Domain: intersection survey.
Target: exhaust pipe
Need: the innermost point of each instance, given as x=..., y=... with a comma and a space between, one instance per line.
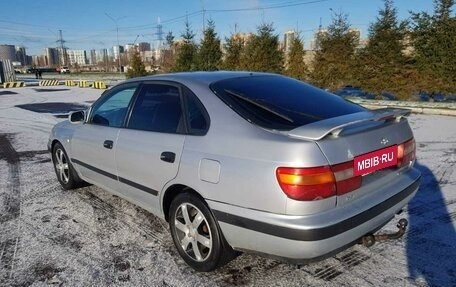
x=369, y=239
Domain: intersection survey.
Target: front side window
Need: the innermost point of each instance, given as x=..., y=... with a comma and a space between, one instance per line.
x=111, y=109
x=157, y=109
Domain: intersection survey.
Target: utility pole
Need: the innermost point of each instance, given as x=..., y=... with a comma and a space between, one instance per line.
x=159, y=33
x=204, y=16
x=317, y=39
x=63, y=49
x=118, y=45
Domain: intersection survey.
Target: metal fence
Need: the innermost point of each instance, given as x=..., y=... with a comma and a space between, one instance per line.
x=7, y=73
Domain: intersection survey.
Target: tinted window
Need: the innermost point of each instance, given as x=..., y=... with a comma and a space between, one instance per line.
x=198, y=122
x=158, y=109
x=282, y=103
x=111, y=109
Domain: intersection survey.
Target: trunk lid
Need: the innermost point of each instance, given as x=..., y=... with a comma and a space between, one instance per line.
x=345, y=137
x=352, y=143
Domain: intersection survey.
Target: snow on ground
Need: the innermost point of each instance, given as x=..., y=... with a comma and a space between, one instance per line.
x=88, y=237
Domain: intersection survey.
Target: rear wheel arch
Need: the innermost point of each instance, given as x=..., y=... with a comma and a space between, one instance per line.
x=197, y=236
x=171, y=192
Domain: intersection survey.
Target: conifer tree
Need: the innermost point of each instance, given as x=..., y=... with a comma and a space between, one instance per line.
x=169, y=39
x=186, y=51
x=210, y=53
x=295, y=65
x=434, y=41
x=137, y=68
x=333, y=60
x=381, y=63
x=168, y=53
x=262, y=52
x=233, y=50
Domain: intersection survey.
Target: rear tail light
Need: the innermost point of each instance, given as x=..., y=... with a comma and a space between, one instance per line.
x=406, y=152
x=307, y=183
x=315, y=183
x=345, y=181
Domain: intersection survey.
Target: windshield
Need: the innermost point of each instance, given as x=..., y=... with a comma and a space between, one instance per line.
x=277, y=102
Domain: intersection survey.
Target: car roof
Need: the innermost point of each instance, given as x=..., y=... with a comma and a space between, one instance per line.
x=204, y=78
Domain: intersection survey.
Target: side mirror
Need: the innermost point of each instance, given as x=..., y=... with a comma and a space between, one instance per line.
x=76, y=117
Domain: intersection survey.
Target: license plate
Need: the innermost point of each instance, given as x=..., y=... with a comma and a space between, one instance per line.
x=375, y=160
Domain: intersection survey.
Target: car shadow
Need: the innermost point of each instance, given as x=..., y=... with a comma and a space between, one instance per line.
x=431, y=244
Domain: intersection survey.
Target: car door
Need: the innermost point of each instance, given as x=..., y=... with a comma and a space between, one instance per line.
x=94, y=143
x=149, y=149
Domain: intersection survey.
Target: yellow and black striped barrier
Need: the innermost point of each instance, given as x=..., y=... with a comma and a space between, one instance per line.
x=99, y=85
x=70, y=83
x=83, y=84
x=13, y=84
x=49, y=83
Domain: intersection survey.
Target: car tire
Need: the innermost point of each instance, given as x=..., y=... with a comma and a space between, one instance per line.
x=196, y=234
x=67, y=176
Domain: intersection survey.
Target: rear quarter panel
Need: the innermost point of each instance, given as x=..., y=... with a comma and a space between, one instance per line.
x=248, y=156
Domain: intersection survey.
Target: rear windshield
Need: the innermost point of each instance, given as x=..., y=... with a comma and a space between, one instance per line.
x=281, y=103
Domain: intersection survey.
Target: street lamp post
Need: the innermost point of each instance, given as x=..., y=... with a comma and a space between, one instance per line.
x=118, y=45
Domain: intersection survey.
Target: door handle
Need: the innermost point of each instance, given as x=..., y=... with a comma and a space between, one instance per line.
x=108, y=144
x=168, y=156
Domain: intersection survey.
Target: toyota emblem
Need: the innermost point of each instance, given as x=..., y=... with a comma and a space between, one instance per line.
x=384, y=141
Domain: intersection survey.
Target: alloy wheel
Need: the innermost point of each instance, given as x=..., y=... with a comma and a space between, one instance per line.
x=193, y=232
x=61, y=166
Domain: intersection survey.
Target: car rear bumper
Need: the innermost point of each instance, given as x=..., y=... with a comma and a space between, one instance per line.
x=304, y=238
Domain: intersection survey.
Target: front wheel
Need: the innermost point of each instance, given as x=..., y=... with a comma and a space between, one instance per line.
x=196, y=235
x=65, y=172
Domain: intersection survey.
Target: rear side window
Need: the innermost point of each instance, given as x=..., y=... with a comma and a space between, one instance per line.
x=277, y=102
x=158, y=109
x=198, y=120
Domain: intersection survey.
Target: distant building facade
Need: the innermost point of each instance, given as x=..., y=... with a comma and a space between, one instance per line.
x=288, y=39
x=39, y=61
x=315, y=42
x=92, y=57
x=101, y=56
x=143, y=47
x=52, y=57
x=8, y=52
x=63, y=56
x=77, y=57
x=21, y=55
x=147, y=56
x=117, y=51
x=129, y=48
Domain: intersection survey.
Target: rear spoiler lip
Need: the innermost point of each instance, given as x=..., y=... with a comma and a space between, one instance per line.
x=318, y=130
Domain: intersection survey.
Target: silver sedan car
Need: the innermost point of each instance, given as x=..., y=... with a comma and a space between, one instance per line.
x=239, y=161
